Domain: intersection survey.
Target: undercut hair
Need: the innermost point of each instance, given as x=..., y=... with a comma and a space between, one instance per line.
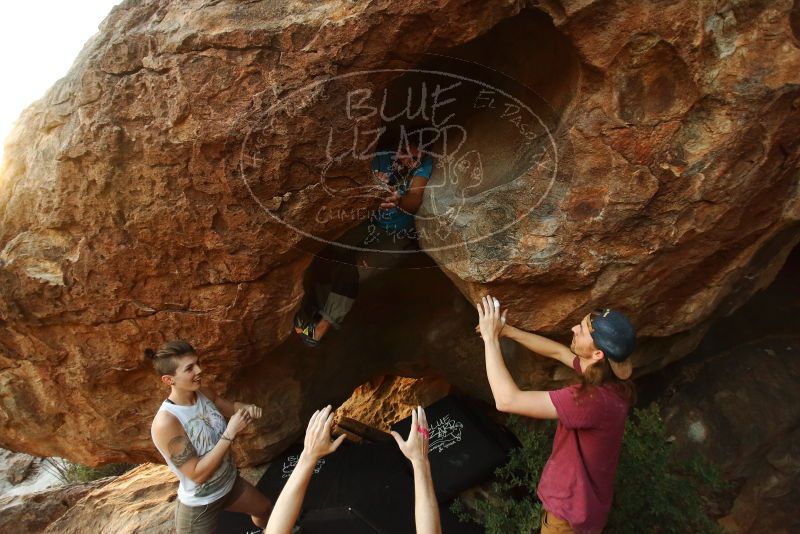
x=165, y=359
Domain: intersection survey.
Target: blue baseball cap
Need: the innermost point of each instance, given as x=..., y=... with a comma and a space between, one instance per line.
x=614, y=334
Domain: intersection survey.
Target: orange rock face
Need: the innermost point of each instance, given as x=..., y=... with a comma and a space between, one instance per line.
x=175, y=182
x=388, y=399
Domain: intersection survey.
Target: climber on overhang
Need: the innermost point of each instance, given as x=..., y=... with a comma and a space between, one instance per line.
x=577, y=483
x=377, y=243
x=190, y=432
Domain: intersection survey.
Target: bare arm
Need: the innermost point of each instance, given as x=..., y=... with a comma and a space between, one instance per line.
x=170, y=436
x=287, y=507
x=540, y=345
x=317, y=444
x=507, y=395
x=426, y=508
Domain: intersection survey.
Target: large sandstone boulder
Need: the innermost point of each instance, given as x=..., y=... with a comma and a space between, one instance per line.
x=175, y=182
x=139, y=501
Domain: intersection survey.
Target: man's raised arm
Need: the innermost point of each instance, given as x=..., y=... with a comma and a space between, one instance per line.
x=540, y=345
x=508, y=397
x=536, y=343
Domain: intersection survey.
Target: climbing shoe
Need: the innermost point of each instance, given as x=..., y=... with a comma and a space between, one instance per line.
x=304, y=327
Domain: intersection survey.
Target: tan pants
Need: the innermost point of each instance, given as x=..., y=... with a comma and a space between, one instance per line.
x=552, y=524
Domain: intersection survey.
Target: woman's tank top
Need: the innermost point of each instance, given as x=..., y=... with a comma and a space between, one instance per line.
x=204, y=425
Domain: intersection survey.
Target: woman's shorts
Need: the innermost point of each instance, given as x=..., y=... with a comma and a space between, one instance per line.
x=203, y=519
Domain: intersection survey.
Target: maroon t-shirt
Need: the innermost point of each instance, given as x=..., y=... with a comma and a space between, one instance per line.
x=577, y=483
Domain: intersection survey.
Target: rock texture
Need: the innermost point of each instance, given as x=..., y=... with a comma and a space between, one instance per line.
x=32, y=513
x=716, y=400
x=139, y=501
x=719, y=411
x=15, y=467
x=680, y=191
x=388, y=399
x=149, y=196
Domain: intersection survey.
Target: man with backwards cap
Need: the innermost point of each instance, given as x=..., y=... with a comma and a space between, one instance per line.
x=577, y=483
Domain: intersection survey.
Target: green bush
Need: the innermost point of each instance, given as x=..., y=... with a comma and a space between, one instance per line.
x=654, y=491
x=508, y=506
x=71, y=473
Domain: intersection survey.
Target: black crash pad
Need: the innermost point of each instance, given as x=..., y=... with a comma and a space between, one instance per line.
x=369, y=487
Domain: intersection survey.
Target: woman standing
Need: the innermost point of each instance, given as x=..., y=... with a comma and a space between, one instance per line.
x=190, y=432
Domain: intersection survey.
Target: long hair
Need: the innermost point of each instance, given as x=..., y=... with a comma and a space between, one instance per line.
x=600, y=373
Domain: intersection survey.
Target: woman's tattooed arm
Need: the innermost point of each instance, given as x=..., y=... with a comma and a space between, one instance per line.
x=181, y=450
x=178, y=449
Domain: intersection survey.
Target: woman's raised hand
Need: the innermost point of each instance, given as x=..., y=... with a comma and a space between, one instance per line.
x=415, y=448
x=318, y=435
x=238, y=422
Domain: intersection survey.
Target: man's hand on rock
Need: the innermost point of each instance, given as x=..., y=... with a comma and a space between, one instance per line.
x=503, y=332
x=380, y=183
x=490, y=321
